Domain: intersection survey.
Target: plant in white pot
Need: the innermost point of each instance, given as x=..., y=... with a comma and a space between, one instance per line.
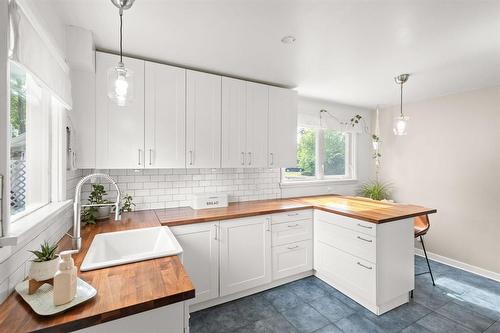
x=44, y=266
x=96, y=197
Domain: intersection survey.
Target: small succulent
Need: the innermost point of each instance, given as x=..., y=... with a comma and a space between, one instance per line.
x=47, y=252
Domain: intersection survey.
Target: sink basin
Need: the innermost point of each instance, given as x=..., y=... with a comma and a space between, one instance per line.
x=122, y=247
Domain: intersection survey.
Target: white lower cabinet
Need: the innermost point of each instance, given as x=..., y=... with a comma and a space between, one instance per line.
x=245, y=254
x=370, y=263
x=200, y=257
x=291, y=259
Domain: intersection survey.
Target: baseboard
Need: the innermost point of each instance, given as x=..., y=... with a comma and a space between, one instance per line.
x=460, y=265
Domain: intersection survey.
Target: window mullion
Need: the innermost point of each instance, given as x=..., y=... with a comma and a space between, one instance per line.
x=319, y=151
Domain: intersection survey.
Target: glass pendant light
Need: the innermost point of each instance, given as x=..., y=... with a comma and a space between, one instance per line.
x=400, y=124
x=120, y=82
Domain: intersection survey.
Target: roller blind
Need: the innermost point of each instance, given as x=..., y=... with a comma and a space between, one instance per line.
x=30, y=47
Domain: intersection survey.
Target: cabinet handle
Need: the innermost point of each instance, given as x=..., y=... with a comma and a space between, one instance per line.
x=150, y=158
x=242, y=158
x=272, y=158
x=364, y=226
x=268, y=224
x=367, y=267
x=139, y=151
x=190, y=157
x=292, y=214
x=74, y=160
x=293, y=225
x=249, y=158
x=364, y=239
x=216, y=232
x=292, y=247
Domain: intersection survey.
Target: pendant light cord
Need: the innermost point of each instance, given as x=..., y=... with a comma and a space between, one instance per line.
x=121, y=36
x=401, y=105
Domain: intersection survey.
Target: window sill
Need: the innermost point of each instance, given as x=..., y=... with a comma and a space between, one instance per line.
x=323, y=182
x=23, y=229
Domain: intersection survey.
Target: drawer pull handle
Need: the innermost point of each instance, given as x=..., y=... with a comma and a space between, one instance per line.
x=364, y=226
x=292, y=247
x=364, y=239
x=292, y=225
x=293, y=214
x=367, y=267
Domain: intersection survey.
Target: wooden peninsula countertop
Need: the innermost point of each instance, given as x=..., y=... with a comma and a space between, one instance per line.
x=132, y=288
x=121, y=290
x=355, y=207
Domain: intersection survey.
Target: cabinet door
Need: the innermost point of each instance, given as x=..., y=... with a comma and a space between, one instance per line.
x=83, y=118
x=282, y=128
x=257, y=124
x=233, y=123
x=119, y=129
x=203, y=128
x=200, y=257
x=165, y=116
x=245, y=258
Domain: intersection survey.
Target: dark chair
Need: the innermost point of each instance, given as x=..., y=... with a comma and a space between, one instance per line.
x=421, y=225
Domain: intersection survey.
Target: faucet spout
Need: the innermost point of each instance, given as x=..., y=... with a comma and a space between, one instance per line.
x=77, y=207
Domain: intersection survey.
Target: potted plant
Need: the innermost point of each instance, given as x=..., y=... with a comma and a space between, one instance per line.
x=127, y=204
x=96, y=197
x=375, y=190
x=44, y=266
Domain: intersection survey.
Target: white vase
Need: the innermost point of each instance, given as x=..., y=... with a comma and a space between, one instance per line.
x=41, y=271
x=103, y=212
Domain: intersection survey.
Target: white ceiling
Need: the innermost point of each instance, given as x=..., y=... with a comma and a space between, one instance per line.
x=346, y=50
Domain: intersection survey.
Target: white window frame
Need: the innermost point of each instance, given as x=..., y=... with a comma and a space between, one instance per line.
x=319, y=177
x=27, y=224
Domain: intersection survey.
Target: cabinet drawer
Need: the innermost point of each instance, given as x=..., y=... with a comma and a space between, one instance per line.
x=285, y=233
x=292, y=259
x=356, y=275
x=295, y=215
x=346, y=222
x=355, y=243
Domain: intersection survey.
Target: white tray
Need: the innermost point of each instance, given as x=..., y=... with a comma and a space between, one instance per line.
x=42, y=301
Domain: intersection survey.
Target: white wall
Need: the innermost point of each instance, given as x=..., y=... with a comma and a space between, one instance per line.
x=450, y=160
x=365, y=167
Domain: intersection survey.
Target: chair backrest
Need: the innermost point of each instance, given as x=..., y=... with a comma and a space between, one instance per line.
x=421, y=225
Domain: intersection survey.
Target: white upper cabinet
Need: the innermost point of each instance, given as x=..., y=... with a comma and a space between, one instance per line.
x=282, y=150
x=257, y=124
x=234, y=111
x=203, y=127
x=244, y=124
x=119, y=129
x=165, y=116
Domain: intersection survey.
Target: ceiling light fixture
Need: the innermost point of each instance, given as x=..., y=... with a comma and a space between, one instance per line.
x=288, y=40
x=400, y=124
x=120, y=78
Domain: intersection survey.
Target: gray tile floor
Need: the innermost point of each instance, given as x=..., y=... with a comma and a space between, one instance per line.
x=460, y=302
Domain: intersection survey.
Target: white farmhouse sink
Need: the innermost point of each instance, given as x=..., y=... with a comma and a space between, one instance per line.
x=122, y=247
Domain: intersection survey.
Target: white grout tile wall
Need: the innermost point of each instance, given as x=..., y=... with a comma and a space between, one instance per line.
x=168, y=188
x=15, y=264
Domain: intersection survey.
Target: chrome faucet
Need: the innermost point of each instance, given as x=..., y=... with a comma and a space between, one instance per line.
x=77, y=207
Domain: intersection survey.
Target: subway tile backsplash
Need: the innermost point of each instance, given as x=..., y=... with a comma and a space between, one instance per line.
x=168, y=188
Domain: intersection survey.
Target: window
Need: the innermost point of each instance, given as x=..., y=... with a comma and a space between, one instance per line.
x=30, y=155
x=322, y=154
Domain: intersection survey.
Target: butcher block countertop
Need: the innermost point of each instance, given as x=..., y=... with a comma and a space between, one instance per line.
x=132, y=288
x=358, y=208
x=121, y=290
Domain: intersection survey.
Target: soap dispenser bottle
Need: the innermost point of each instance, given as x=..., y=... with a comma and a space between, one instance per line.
x=65, y=279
